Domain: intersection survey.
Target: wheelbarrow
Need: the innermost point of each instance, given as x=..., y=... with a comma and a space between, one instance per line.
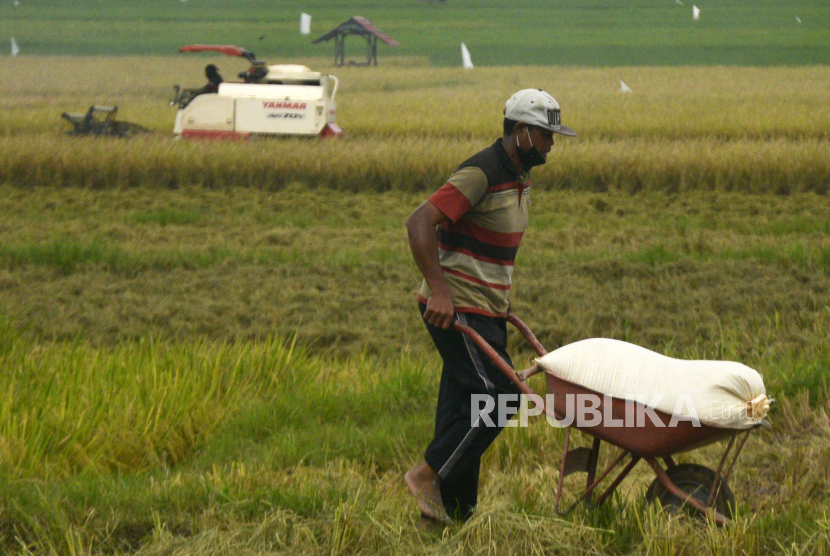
x=686, y=486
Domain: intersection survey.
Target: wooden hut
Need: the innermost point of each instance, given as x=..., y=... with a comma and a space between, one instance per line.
x=357, y=26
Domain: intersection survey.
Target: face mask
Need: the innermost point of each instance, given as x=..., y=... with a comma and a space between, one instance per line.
x=529, y=158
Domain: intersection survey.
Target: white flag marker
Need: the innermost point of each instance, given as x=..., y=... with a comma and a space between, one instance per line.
x=678, y=2
x=305, y=24
x=15, y=48
x=798, y=20
x=695, y=13
x=466, y=61
x=16, y=2
x=623, y=87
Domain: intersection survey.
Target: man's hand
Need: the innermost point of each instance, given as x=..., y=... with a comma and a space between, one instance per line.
x=440, y=310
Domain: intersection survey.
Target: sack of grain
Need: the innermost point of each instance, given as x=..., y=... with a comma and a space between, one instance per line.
x=718, y=393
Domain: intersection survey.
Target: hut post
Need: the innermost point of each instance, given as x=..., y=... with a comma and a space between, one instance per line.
x=339, y=50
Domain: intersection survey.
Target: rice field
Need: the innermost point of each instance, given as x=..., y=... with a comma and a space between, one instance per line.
x=729, y=129
x=257, y=447
x=564, y=32
x=213, y=348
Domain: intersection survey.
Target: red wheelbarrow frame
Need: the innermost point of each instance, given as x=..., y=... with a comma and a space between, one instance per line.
x=648, y=442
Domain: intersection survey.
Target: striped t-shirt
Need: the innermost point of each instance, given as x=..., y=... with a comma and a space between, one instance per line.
x=486, y=201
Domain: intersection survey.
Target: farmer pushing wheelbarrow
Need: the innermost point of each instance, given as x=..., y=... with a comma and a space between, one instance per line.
x=480, y=214
x=649, y=406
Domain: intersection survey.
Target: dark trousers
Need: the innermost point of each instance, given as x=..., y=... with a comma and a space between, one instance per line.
x=455, y=452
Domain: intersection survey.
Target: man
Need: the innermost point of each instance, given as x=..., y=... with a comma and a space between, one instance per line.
x=211, y=87
x=481, y=214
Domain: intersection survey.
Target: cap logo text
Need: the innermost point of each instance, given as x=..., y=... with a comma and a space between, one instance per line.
x=554, y=117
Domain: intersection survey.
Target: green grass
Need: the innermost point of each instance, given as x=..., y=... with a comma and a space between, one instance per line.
x=663, y=270
x=163, y=217
x=155, y=402
x=565, y=32
x=262, y=447
x=214, y=349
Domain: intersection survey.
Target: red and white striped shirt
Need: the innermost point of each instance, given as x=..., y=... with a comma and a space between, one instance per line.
x=486, y=201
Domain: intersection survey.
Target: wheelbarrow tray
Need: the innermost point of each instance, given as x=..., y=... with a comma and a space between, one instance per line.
x=645, y=438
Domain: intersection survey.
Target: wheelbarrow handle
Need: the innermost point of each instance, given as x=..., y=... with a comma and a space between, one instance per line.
x=497, y=359
x=529, y=336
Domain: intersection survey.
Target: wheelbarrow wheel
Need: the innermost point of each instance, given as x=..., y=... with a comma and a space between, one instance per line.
x=696, y=480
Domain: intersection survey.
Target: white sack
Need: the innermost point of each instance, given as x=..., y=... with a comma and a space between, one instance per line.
x=695, y=13
x=719, y=393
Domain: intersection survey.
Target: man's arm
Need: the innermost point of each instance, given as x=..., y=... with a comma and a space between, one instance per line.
x=423, y=241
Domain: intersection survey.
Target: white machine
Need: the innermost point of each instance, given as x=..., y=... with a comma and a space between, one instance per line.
x=289, y=100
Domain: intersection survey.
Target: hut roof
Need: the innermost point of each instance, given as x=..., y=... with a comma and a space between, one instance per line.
x=357, y=25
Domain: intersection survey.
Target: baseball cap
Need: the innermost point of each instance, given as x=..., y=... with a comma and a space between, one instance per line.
x=536, y=107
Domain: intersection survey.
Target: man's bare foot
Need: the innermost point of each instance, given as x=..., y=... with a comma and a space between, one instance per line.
x=429, y=525
x=423, y=484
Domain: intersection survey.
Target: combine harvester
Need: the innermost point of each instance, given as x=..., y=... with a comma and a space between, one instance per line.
x=281, y=100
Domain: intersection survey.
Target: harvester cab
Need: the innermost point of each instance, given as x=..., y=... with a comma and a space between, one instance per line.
x=289, y=100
